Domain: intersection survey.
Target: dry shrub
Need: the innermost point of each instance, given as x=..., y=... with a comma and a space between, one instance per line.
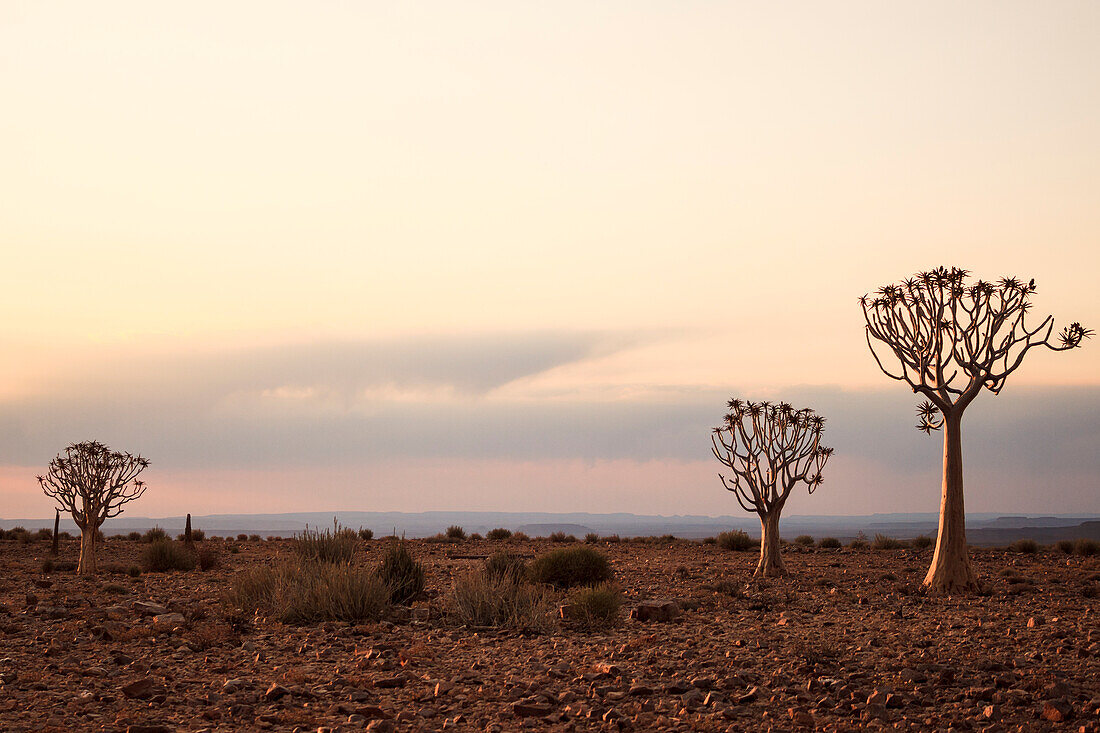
x=336, y=545
x=310, y=591
x=500, y=533
x=735, y=540
x=401, y=573
x=829, y=543
x=154, y=534
x=1028, y=547
x=164, y=555
x=209, y=559
x=561, y=537
x=805, y=540
x=570, y=567
x=883, y=542
x=1087, y=548
x=1064, y=546
x=506, y=564
x=594, y=608
x=922, y=542
x=454, y=532
x=481, y=598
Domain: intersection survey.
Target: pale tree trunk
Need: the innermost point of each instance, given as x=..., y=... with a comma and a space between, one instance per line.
x=771, y=564
x=87, y=565
x=951, y=570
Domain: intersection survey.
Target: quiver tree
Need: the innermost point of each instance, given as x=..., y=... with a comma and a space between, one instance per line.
x=947, y=338
x=92, y=483
x=771, y=449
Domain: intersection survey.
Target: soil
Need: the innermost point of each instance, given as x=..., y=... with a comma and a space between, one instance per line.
x=847, y=642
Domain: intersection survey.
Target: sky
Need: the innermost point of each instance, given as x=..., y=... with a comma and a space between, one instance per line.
x=517, y=255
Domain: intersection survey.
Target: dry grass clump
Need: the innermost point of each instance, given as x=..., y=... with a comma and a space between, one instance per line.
x=829, y=543
x=504, y=564
x=735, y=540
x=484, y=598
x=571, y=566
x=1087, y=548
x=154, y=534
x=1064, y=546
x=164, y=555
x=336, y=545
x=454, y=532
x=805, y=540
x=197, y=535
x=306, y=591
x=401, y=573
x=883, y=542
x=209, y=559
x=922, y=542
x=500, y=533
x=1028, y=547
x=594, y=608
x=562, y=537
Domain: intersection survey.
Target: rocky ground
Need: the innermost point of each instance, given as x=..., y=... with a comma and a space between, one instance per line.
x=846, y=643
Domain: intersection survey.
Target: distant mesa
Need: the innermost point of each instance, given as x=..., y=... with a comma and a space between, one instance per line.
x=547, y=529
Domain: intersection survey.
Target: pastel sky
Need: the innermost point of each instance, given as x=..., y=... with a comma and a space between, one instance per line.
x=517, y=255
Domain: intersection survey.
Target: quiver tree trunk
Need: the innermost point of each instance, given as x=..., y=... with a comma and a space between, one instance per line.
x=771, y=563
x=187, y=531
x=951, y=570
x=87, y=565
x=56, y=526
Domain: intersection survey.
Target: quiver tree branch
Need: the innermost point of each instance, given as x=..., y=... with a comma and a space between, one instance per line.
x=769, y=449
x=92, y=483
x=948, y=338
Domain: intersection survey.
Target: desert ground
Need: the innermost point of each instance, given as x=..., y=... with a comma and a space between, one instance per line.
x=847, y=642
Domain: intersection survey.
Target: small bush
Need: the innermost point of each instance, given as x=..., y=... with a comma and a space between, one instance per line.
x=475, y=537
x=735, y=540
x=164, y=555
x=805, y=540
x=829, y=543
x=922, y=542
x=454, y=532
x=47, y=567
x=209, y=559
x=310, y=591
x=1028, y=547
x=44, y=534
x=858, y=544
x=402, y=574
x=882, y=542
x=710, y=540
x=366, y=534
x=1064, y=546
x=197, y=535
x=242, y=538
x=154, y=534
x=1087, y=548
x=134, y=536
x=334, y=545
x=612, y=538
x=254, y=538
x=520, y=537
x=570, y=567
x=591, y=538
x=594, y=608
x=133, y=571
x=506, y=564
x=482, y=598
x=562, y=537
x=500, y=533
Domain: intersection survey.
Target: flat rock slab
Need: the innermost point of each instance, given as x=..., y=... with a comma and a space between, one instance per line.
x=659, y=610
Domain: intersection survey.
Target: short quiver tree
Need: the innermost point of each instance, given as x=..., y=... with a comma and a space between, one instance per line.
x=947, y=339
x=92, y=483
x=771, y=449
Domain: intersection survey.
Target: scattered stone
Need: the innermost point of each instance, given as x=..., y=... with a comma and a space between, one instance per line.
x=275, y=692
x=146, y=608
x=530, y=708
x=660, y=611
x=139, y=689
x=1056, y=711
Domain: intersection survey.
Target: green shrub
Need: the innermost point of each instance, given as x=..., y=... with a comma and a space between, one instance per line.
x=562, y=537
x=309, y=591
x=922, y=542
x=482, y=598
x=829, y=543
x=500, y=533
x=154, y=534
x=1064, y=546
x=336, y=545
x=1028, y=547
x=1087, y=548
x=164, y=555
x=594, y=608
x=571, y=566
x=401, y=573
x=506, y=564
x=366, y=534
x=454, y=532
x=882, y=542
x=805, y=540
x=735, y=540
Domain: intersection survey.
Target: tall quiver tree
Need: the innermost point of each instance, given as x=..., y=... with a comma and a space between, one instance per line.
x=771, y=449
x=949, y=338
x=92, y=483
